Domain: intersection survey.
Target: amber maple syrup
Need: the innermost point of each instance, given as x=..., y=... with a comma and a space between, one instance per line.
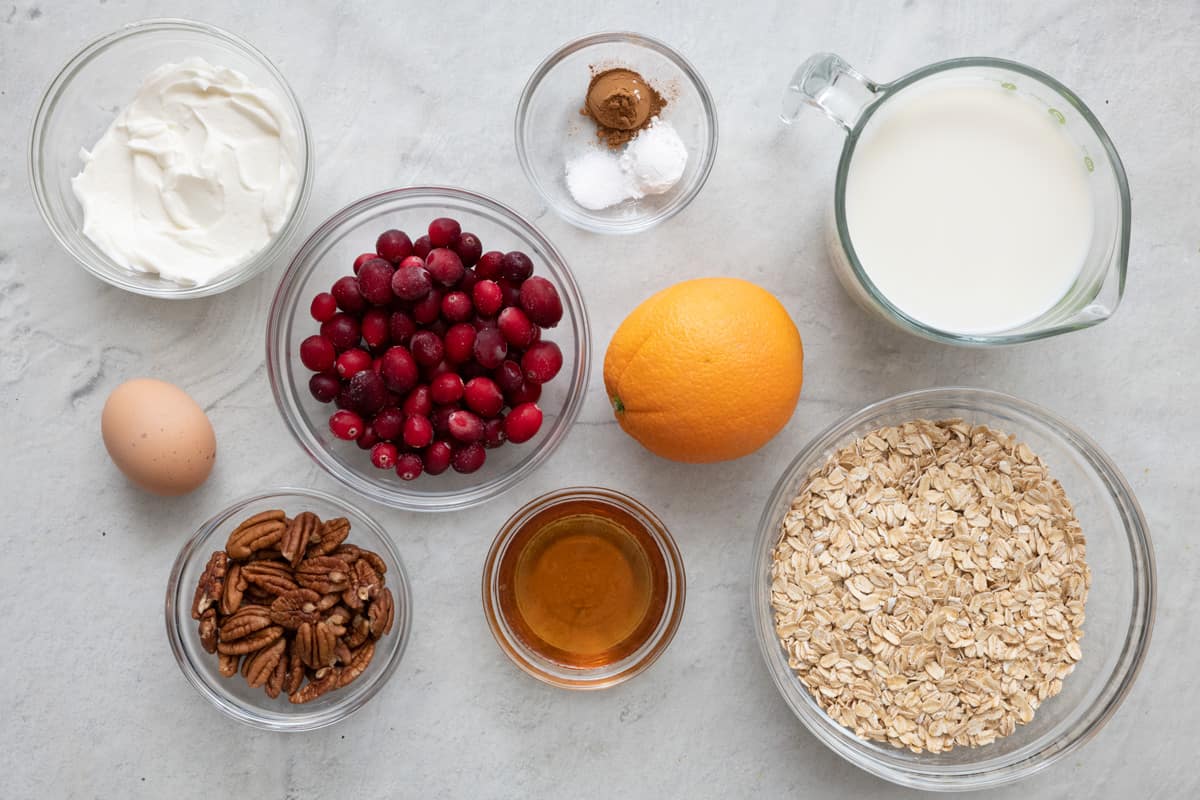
x=583, y=584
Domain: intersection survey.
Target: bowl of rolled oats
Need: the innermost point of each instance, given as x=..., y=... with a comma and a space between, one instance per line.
x=953, y=588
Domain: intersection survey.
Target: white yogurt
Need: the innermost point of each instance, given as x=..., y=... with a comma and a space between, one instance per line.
x=968, y=206
x=193, y=177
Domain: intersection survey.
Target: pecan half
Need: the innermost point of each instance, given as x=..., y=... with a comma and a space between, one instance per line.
x=292, y=608
x=228, y=664
x=248, y=619
x=274, y=684
x=262, y=664
x=316, y=643
x=251, y=643
x=260, y=531
x=300, y=533
x=358, y=631
x=295, y=670
x=272, y=577
x=359, y=660
x=208, y=589
x=328, y=601
x=381, y=613
x=315, y=688
x=341, y=653
x=324, y=574
x=208, y=630
x=235, y=588
x=333, y=533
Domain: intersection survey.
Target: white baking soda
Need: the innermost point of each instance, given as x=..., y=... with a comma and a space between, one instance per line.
x=968, y=206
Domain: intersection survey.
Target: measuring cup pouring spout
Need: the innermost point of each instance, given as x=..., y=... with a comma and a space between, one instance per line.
x=827, y=83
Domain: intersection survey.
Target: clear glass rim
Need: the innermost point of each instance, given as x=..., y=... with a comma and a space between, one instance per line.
x=109, y=271
x=585, y=679
x=573, y=216
x=1023, y=763
x=915, y=326
x=178, y=598
x=283, y=310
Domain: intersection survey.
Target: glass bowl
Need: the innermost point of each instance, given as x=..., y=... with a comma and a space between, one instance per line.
x=1119, y=611
x=89, y=92
x=329, y=254
x=550, y=130
x=570, y=677
x=232, y=695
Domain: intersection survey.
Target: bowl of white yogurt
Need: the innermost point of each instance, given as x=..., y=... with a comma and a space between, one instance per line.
x=171, y=158
x=978, y=201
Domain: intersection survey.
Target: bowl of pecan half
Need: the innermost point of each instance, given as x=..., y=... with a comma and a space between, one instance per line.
x=288, y=610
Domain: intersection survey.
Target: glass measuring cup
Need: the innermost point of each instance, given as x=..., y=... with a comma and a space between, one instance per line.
x=826, y=82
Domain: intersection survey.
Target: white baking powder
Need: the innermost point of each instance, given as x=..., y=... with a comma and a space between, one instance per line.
x=650, y=164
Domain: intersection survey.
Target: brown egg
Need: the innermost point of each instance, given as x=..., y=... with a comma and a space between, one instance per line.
x=158, y=436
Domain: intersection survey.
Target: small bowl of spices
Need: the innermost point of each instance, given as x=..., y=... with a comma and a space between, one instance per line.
x=617, y=131
x=583, y=588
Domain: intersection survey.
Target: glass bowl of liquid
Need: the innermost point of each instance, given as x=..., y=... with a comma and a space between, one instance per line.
x=583, y=588
x=977, y=201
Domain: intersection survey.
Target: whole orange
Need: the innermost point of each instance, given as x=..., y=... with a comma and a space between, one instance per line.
x=705, y=370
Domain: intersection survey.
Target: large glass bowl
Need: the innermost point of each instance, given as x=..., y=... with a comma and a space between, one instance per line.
x=329, y=254
x=90, y=91
x=233, y=696
x=1119, y=611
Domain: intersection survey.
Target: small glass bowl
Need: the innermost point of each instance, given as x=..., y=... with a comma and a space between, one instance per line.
x=90, y=91
x=550, y=130
x=329, y=254
x=1119, y=611
x=232, y=695
x=566, y=677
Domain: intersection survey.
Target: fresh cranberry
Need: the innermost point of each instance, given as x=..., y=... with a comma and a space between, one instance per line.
x=457, y=307
x=467, y=282
x=401, y=326
x=445, y=266
x=375, y=282
x=516, y=266
x=376, y=328
x=343, y=398
x=418, y=432
x=323, y=307
x=411, y=261
x=459, y=343
x=488, y=297
x=522, y=422
x=446, y=388
x=317, y=353
x=347, y=294
x=529, y=392
x=389, y=424
x=408, y=466
x=364, y=258
x=352, y=362
x=437, y=457
x=426, y=348
x=468, y=458
x=490, y=265
x=367, y=439
x=411, y=282
x=342, y=330
x=493, y=433
x=428, y=373
x=399, y=369
x=509, y=376
x=481, y=322
x=542, y=361
x=469, y=248
x=428, y=308
x=345, y=424
x=368, y=392
x=490, y=348
x=324, y=386
x=516, y=327
x=394, y=245
x=511, y=291
x=422, y=246
x=419, y=402
x=541, y=302
x=483, y=396
x=465, y=426
x=384, y=455
x=443, y=232
x=441, y=419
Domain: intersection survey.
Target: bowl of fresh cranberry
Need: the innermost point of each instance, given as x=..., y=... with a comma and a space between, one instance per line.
x=428, y=347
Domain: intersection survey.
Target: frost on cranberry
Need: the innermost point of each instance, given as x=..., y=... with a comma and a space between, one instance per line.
x=468, y=458
x=367, y=392
x=445, y=266
x=364, y=258
x=493, y=433
x=411, y=282
x=465, y=426
x=516, y=266
x=523, y=422
x=346, y=292
x=375, y=282
x=394, y=245
x=469, y=249
x=401, y=326
x=444, y=232
x=389, y=424
x=426, y=348
x=541, y=302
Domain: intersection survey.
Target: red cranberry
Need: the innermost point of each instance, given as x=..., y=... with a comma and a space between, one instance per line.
x=441, y=419
x=352, y=362
x=493, y=433
x=480, y=322
x=368, y=392
x=541, y=302
x=516, y=266
x=468, y=458
x=488, y=298
x=489, y=266
x=529, y=392
x=389, y=424
x=367, y=439
x=343, y=398
x=457, y=307
x=384, y=455
x=437, y=457
x=376, y=328
x=511, y=291
x=419, y=402
x=445, y=266
x=323, y=307
x=443, y=232
x=401, y=326
x=428, y=308
x=408, y=466
x=522, y=422
x=375, y=282
x=509, y=376
x=317, y=353
x=459, y=343
x=465, y=426
x=446, y=388
x=394, y=245
x=324, y=386
x=342, y=330
x=421, y=246
x=542, y=361
x=467, y=282
x=411, y=282
x=490, y=348
x=469, y=248
x=412, y=261
x=347, y=294
x=428, y=373
x=426, y=348
x=345, y=425
x=483, y=396
x=418, y=432
x=399, y=369
x=516, y=327
x=364, y=258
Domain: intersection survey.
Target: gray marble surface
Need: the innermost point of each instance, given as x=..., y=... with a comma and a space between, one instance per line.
x=91, y=702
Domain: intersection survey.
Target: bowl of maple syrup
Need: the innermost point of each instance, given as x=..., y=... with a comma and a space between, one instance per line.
x=583, y=588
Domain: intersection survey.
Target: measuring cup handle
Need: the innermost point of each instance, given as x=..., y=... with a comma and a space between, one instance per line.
x=825, y=81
